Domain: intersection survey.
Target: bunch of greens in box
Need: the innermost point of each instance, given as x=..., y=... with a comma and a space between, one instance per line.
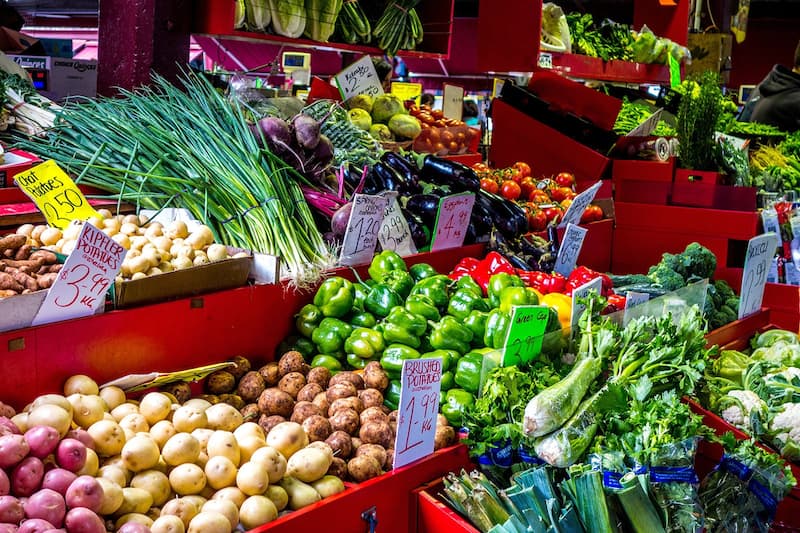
x=698, y=112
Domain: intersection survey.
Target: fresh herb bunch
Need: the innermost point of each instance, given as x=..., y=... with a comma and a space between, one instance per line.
x=698, y=113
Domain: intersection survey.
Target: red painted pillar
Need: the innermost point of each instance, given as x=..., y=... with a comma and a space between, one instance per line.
x=137, y=37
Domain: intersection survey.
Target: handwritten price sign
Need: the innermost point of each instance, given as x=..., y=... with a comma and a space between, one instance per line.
x=84, y=279
x=579, y=205
x=760, y=251
x=394, y=233
x=419, y=404
x=525, y=335
x=570, y=249
x=769, y=219
x=361, y=234
x=632, y=299
x=452, y=220
x=452, y=101
x=359, y=78
x=55, y=194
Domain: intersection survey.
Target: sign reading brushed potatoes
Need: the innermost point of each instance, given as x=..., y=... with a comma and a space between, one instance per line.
x=83, y=281
x=55, y=194
x=760, y=251
x=361, y=234
x=416, y=414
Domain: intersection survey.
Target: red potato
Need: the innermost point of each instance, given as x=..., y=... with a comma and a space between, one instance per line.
x=8, y=427
x=82, y=520
x=11, y=511
x=83, y=436
x=46, y=505
x=71, y=454
x=5, y=483
x=13, y=449
x=42, y=440
x=86, y=492
x=26, y=478
x=133, y=527
x=58, y=479
x=9, y=528
x=35, y=525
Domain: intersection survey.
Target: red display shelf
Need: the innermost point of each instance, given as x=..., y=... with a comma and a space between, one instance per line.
x=215, y=18
x=593, y=68
x=783, y=302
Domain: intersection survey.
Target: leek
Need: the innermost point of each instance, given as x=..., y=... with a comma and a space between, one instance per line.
x=585, y=487
x=637, y=505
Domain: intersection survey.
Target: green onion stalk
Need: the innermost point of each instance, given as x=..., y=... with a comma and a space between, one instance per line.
x=170, y=146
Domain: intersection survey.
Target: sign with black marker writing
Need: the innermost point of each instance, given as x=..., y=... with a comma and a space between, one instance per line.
x=570, y=249
x=359, y=78
x=525, y=334
x=579, y=205
x=361, y=234
x=417, y=411
x=760, y=251
x=394, y=233
x=55, y=194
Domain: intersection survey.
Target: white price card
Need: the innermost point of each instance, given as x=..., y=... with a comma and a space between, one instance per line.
x=452, y=220
x=632, y=299
x=760, y=251
x=582, y=292
x=416, y=414
x=452, y=101
x=769, y=219
x=570, y=249
x=88, y=273
x=359, y=78
x=394, y=233
x=772, y=275
x=361, y=234
x=579, y=205
x=791, y=273
x=545, y=60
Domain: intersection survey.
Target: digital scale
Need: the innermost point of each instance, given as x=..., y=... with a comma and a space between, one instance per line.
x=297, y=67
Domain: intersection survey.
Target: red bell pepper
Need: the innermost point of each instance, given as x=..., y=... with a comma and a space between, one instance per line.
x=582, y=275
x=483, y=269
x=465, y=267
x=615, y=302
x=542, y=281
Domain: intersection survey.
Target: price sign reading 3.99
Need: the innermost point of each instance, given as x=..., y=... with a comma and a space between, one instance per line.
x=416, y=414
x=83, y=281
x=361, y=234
x=525, y=334
x=452, y=220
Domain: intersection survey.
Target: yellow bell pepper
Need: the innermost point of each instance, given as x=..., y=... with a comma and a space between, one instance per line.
x=563, y=306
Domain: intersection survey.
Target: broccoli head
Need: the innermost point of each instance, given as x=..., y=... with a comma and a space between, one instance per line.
x=672, y=262
x=698, y=261
x=723, y=289
x=720, y=317
x=666, y=277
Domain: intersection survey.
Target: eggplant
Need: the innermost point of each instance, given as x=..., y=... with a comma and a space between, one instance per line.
x=459, y=177
x=372, y=183
x=419, y=233
x=391, y=179
x=482, y=219
x=405, y=168
x=471, y=237
x=508, y=217
x=425, y=207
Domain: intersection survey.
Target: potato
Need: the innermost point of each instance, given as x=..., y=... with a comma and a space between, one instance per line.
x=51, y=415
x=319, y=375
x=347, y=377
x=375, y=377
x=92, y=464
x=168, y=524
x=389, y=463
x=346, y=403
x=308, y=392
x=133, y=518
x=278, y=496
x=321, y=401
x=292, y=362
x=291, y=383
x=375, y=451
x=340, y=443
x=233, y=494
x=345, y=420
x=249, y=429
x=303, y=410
x=223, y=416
x=240, y=368
x=140, y=453
x=123, y=410
x=182, y=508
x=287, y=438
x=202, y=435
x=250, y=412
x=328, y=486
x=181, y=390
x=371, y=397
x=225, y=507
x=224, y=443
x=113, y=396
x=188, y=417
x=252, y=478
x=355, y=443
x=198, y=403
x=112, y=496
x=134, y=423
x=154, y=482
x=363, y=468
x=86, y=409
x=220, y=472
x=338, y=468
x=269, y=422
x=308, y=464
x=220, y=382
x=114, y=473
x=322, y=445
x=80, y=384
x=162, y=431
x=181, y=448
x=270, y=374
x=317, y=427
x=340, y=390
x=274, y=401
x=234, y=400
x=209, y=522
x=373, y=414
x=155, y=407
x=300, y=494
x=377, y=433
x=272, y=461
x=251, y=386
x=134, y=500
x=444, y=437
x=257, y=511
x=187, y=479
x=248, y=445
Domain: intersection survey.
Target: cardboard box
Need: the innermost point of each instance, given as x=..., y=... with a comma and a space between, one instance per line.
x=72, y=77
x=14, y=162
x=17, y=312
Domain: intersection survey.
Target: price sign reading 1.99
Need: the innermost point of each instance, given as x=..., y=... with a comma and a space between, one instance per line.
x=416, y=414
x=452, y=220
x=361, y=234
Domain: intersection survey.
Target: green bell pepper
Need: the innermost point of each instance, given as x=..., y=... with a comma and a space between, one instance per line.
x=450, y=334
x=464, y=301
x=422, y=306
x=360, y=292
x=399, y=280
x=476, y=323
x=403, y=327
x=468, y=371
x=365, y=343
x=435, y=288
x=363, y=319
x=393, y=357
x=298, y=344
x=554, y=342
x=327, y=361
x=335, y=297
x=447, y=381
x=331, y=334
x=498, y=282
x=456, y=401
x=421, y=271
x=448, y=357
x=467, y=283
x=381, y=299
x=384, y=262
x=511, y=296
x=391, y=397
x=308, y=319
x=497, y=324
x=357, y=362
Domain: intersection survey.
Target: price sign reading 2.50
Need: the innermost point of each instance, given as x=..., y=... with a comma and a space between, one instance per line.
x=419, y=405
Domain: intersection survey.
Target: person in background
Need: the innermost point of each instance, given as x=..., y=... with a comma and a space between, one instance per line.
x=384, y=70
x=776, y=100
x=470, y=113
x=427, y=99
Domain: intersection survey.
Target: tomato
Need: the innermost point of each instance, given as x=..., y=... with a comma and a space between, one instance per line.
x=510, y=190
x=437, y=114
x=489, y=185
x=552, y=213
x=480, y=167
x=527, y=185
x=537, y=220
x=559, y=194
x=514, y=175
x=523, y=168
x=566, y=203
x=592, y=213
x=565, y=179
x=538, y=196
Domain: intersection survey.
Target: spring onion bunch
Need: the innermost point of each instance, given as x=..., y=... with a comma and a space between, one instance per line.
x=25, y=109
x=188, y=147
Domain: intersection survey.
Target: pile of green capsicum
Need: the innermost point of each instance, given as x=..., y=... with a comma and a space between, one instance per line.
x=402, y=313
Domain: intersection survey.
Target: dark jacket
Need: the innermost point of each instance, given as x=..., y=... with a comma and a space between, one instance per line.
x=776, y=100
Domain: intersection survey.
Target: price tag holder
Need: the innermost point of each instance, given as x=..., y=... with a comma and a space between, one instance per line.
x=632, y=299
x=407, y=91
x=525, y=334
x=760, y=251
x=452, y=220
x=452, y=101
x=55, y=194
x=394, y=233
x=570, y=249
x=582, y=292
x=416, y=414
x=579, y=205
x=545, y=60
x=769, y=219
x=83, y=281
x=361, y=234
x=359, y=78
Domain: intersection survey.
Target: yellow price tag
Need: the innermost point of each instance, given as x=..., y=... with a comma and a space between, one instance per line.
x=407, y=91
x=55, y=194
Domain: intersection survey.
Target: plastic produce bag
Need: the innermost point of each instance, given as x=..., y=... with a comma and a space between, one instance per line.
x=674, y=485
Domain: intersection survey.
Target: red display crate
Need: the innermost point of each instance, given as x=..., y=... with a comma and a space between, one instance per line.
x=646, y=182
x=783, y=302
x=735, y=335
x=435, y=516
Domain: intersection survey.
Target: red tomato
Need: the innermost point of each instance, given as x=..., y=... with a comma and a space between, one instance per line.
x=510, y=190
x=552, y=213
x=523, y=168
x=489, y=185
x=565, y=179
x=537, y=220
x=559, y=194
x=592, y=213
x=515, y=175
x=480, y=167
x=538, y=196
x=528, y=185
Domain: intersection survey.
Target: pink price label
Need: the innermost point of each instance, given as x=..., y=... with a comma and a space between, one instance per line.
x=452, y=220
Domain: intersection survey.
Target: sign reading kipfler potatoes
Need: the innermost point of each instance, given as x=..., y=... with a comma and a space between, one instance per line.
x=55, y=194
x=419, y=405
x=83, y=281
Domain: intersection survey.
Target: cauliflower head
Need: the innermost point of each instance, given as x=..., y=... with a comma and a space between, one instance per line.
x=741, y=405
